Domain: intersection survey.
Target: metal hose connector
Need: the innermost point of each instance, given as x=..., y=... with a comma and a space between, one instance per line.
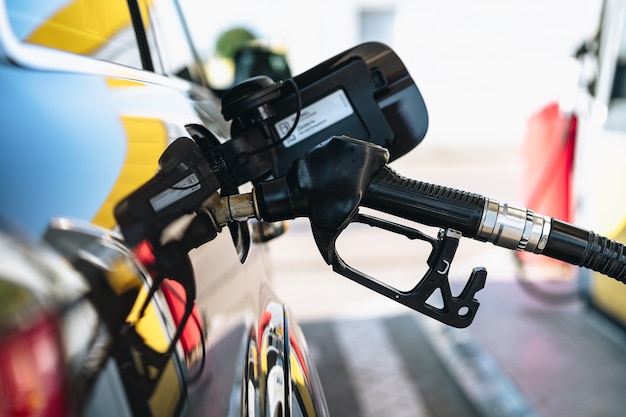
x=222, y=210
x=514, y=227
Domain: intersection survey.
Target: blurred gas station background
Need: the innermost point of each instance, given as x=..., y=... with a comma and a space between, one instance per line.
x=491, y=73
x=486, y=69
x=482, y=66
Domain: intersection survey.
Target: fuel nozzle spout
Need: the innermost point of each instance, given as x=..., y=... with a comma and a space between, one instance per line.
x=238, y=207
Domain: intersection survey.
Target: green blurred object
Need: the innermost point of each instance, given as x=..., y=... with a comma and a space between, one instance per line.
x=254, y=59
x=231, y=40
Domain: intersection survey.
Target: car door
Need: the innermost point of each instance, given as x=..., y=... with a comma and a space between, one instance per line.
x=85, y=117
x=93, y=92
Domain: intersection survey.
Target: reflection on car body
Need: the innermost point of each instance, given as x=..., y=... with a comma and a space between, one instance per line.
x=93, y=92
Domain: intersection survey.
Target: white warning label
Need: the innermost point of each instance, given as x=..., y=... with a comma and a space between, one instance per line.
x=315, y=117
x=179, y=190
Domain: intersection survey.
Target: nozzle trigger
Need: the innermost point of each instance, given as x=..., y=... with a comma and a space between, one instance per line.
x=457, y=311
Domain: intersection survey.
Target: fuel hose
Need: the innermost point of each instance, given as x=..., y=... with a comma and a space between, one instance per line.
x=488, y=220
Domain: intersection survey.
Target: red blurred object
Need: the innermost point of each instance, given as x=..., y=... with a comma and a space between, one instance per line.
x=549, y=157
x=175, y=296
x=144, y=253
x=548, y=151
x=32, y=374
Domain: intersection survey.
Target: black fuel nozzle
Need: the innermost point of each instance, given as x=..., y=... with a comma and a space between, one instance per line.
x=183, y=182
x=331, y=182
x=328, y=185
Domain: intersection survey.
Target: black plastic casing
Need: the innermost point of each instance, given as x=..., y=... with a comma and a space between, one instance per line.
x=365, y=92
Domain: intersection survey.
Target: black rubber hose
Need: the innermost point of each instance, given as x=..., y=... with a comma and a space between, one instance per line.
x=503, y=225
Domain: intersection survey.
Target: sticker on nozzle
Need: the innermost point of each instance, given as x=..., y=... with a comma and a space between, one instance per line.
x=315, y=117
x=176, y=192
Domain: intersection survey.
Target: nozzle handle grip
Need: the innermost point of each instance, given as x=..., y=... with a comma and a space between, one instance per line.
x=428, y=204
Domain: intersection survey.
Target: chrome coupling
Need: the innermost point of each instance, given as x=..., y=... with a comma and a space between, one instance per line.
x=514, y=227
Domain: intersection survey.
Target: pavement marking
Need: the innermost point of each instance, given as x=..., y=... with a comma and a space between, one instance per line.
x=478, y=374
x=372, y=363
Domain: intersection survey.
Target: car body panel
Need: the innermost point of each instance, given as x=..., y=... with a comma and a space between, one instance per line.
x=83, y=125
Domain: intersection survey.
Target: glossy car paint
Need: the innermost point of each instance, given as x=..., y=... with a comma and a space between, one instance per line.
x=80, y=131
